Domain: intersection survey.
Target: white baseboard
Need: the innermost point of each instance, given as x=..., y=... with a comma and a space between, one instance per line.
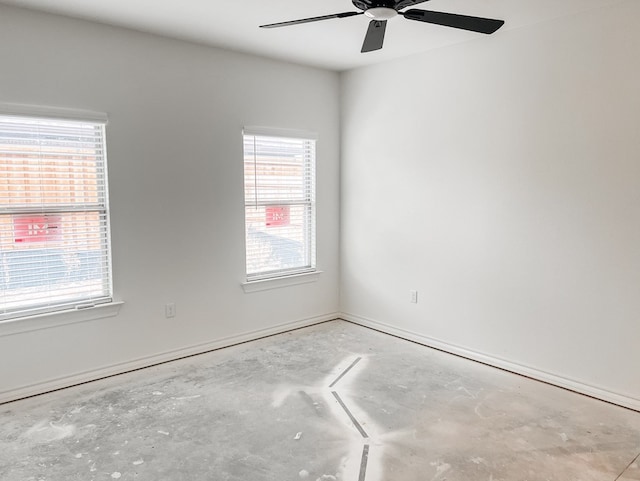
x=530, y=372
x=112, y=370
x=120, y=368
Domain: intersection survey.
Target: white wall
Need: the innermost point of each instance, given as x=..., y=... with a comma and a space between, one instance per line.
x=501, y=179
x=176, y=112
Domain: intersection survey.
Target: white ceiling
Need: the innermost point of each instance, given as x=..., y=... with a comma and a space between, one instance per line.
x=333, y=44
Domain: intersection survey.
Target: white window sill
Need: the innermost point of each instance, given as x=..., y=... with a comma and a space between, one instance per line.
x=278, y=282
x=59, y=318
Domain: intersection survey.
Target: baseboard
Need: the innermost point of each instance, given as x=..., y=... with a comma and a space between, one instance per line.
x=530, y=372
x=140, y=363
x=148, y=361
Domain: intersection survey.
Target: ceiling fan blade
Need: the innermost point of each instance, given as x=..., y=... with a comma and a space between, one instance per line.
x=374, y=38
x=407, y=3
x=311, y=19
x=464, y=22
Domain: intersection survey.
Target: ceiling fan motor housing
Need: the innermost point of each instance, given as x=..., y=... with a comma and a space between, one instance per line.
x=367, y=4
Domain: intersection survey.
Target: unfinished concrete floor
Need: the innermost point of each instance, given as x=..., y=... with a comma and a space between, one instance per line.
x=331, y=402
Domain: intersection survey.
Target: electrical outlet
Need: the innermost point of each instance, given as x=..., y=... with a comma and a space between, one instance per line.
x=170, y=310
x=413, y=297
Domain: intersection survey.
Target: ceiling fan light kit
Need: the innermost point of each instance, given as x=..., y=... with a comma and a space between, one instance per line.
x=379, y=11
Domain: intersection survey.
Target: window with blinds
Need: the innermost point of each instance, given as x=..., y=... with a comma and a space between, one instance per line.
x=54, y=220
x=279, y=187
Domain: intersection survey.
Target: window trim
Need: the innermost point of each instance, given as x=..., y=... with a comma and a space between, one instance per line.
x=279, y=132
x=41, y=111
x=47, y=320
x=70, y=312
x=300, y=274
x=256, y=285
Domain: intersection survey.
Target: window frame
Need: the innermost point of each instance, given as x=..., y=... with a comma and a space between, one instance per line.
x=292, y=275
x=83, y=305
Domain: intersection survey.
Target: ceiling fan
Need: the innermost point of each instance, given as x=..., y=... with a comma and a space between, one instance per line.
x=382, y=10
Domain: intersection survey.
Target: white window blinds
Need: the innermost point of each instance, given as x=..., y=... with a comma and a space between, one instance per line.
x=279, y=186
x=54, y=228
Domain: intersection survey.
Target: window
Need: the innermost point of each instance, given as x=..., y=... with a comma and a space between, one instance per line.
x=279, y=187
x=54, y=219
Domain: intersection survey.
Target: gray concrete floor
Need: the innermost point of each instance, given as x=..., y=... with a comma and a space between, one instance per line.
x=330, y=402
